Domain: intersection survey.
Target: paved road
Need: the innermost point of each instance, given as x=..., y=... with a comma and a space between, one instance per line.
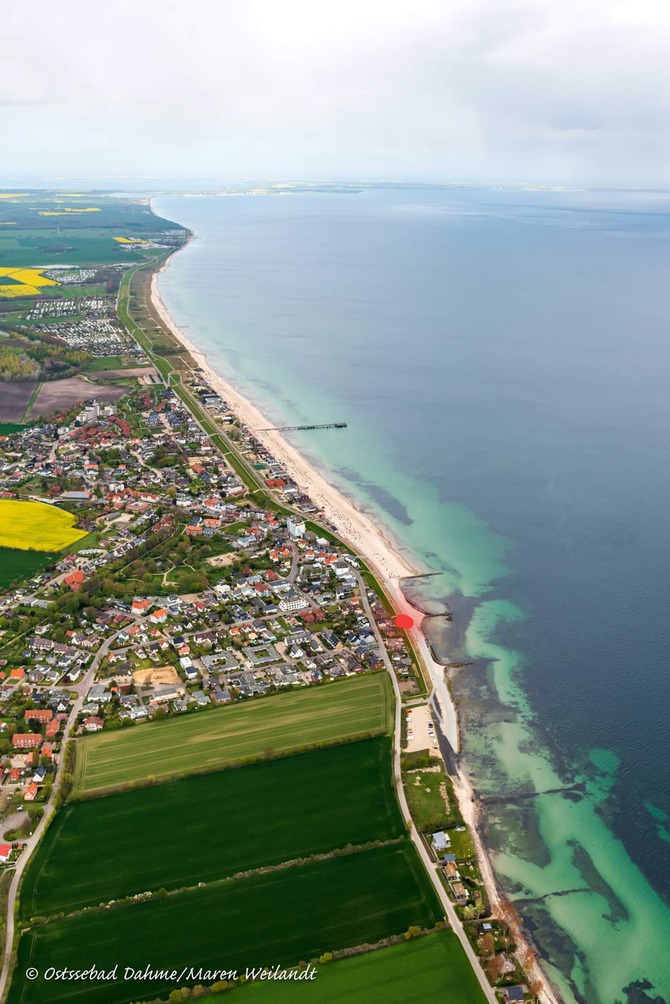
x=431, y=867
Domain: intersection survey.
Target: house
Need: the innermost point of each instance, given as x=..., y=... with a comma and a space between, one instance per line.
x=30, y=792
x=74, y=580
x=140, y=607
x=293, y=604
x=41, y=715
x=221, y=696
x=452, y=871
x=93, y=723
x=441, y=842
x=5, y=851
x=296, y=527
x=166, y=693
x=200, y=698
x=98, y=694
x=27, y=740
x=514, y=993
x=14, y=775
x=506, y=966
x=460, y=892
x=158, y=616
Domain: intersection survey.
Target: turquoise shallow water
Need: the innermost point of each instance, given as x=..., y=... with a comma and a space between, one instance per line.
x=502, y=361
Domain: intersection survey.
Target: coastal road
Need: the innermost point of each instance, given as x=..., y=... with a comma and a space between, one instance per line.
x=431, y=867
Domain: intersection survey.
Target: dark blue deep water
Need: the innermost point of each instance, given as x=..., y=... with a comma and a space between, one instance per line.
x=502, y=359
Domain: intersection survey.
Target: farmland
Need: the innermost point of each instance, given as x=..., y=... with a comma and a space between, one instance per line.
x=204, y=742
x=35, y=526
x=433, y=968
x=16, y=566
x=60, y=395
x=23, y=281
x=56, y=229
x=282, y=917
x=14, y=401
x=232, y=809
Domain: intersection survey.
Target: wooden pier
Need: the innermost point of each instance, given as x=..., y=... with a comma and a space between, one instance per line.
x=294, y=428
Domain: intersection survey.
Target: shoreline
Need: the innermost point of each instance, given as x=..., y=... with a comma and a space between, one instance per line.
x=359, y=529
x=353, y=524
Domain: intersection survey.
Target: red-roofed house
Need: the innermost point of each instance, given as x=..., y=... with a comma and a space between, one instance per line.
x=158, y=616
x=42, y=715
x=52, y=729
x=141, y=606
x=93, y=723
x=26, y=740
x=74, y=580
x=30, y=792
x=5, y=851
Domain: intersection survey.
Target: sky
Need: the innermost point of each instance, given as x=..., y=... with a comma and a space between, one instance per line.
x=565, y=92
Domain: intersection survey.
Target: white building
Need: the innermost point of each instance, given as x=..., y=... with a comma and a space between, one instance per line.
x=290, y=606
x=296, y=527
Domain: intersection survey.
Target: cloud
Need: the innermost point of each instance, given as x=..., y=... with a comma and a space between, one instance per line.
x=575, y=92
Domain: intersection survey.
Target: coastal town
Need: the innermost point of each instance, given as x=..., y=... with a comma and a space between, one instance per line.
x=200, y=575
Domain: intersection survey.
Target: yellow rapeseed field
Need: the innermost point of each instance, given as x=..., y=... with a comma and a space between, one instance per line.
x=64, y=212
x=26, y=281
x=17, y=290
x=36, y=526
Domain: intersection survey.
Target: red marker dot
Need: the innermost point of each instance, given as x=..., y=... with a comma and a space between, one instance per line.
x=404, y=621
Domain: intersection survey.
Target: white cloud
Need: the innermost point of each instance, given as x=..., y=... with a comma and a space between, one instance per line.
x=506, y=90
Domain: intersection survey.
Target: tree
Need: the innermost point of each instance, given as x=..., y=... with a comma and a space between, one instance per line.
x=487, y=944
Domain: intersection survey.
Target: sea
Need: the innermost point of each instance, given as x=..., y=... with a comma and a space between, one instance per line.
x=502, y=360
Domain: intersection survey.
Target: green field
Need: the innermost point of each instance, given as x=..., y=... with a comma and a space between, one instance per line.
x=223, y=736
x=426, y=801
x=283, y=917
x=110, y=363
x=16, y=566
x=423, y=971
x=45, y=230
x=230, y=821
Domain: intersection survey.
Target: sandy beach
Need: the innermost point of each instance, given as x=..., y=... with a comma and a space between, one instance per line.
x=362, y=533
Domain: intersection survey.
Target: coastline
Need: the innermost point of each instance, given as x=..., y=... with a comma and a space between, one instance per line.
x=359, y=530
